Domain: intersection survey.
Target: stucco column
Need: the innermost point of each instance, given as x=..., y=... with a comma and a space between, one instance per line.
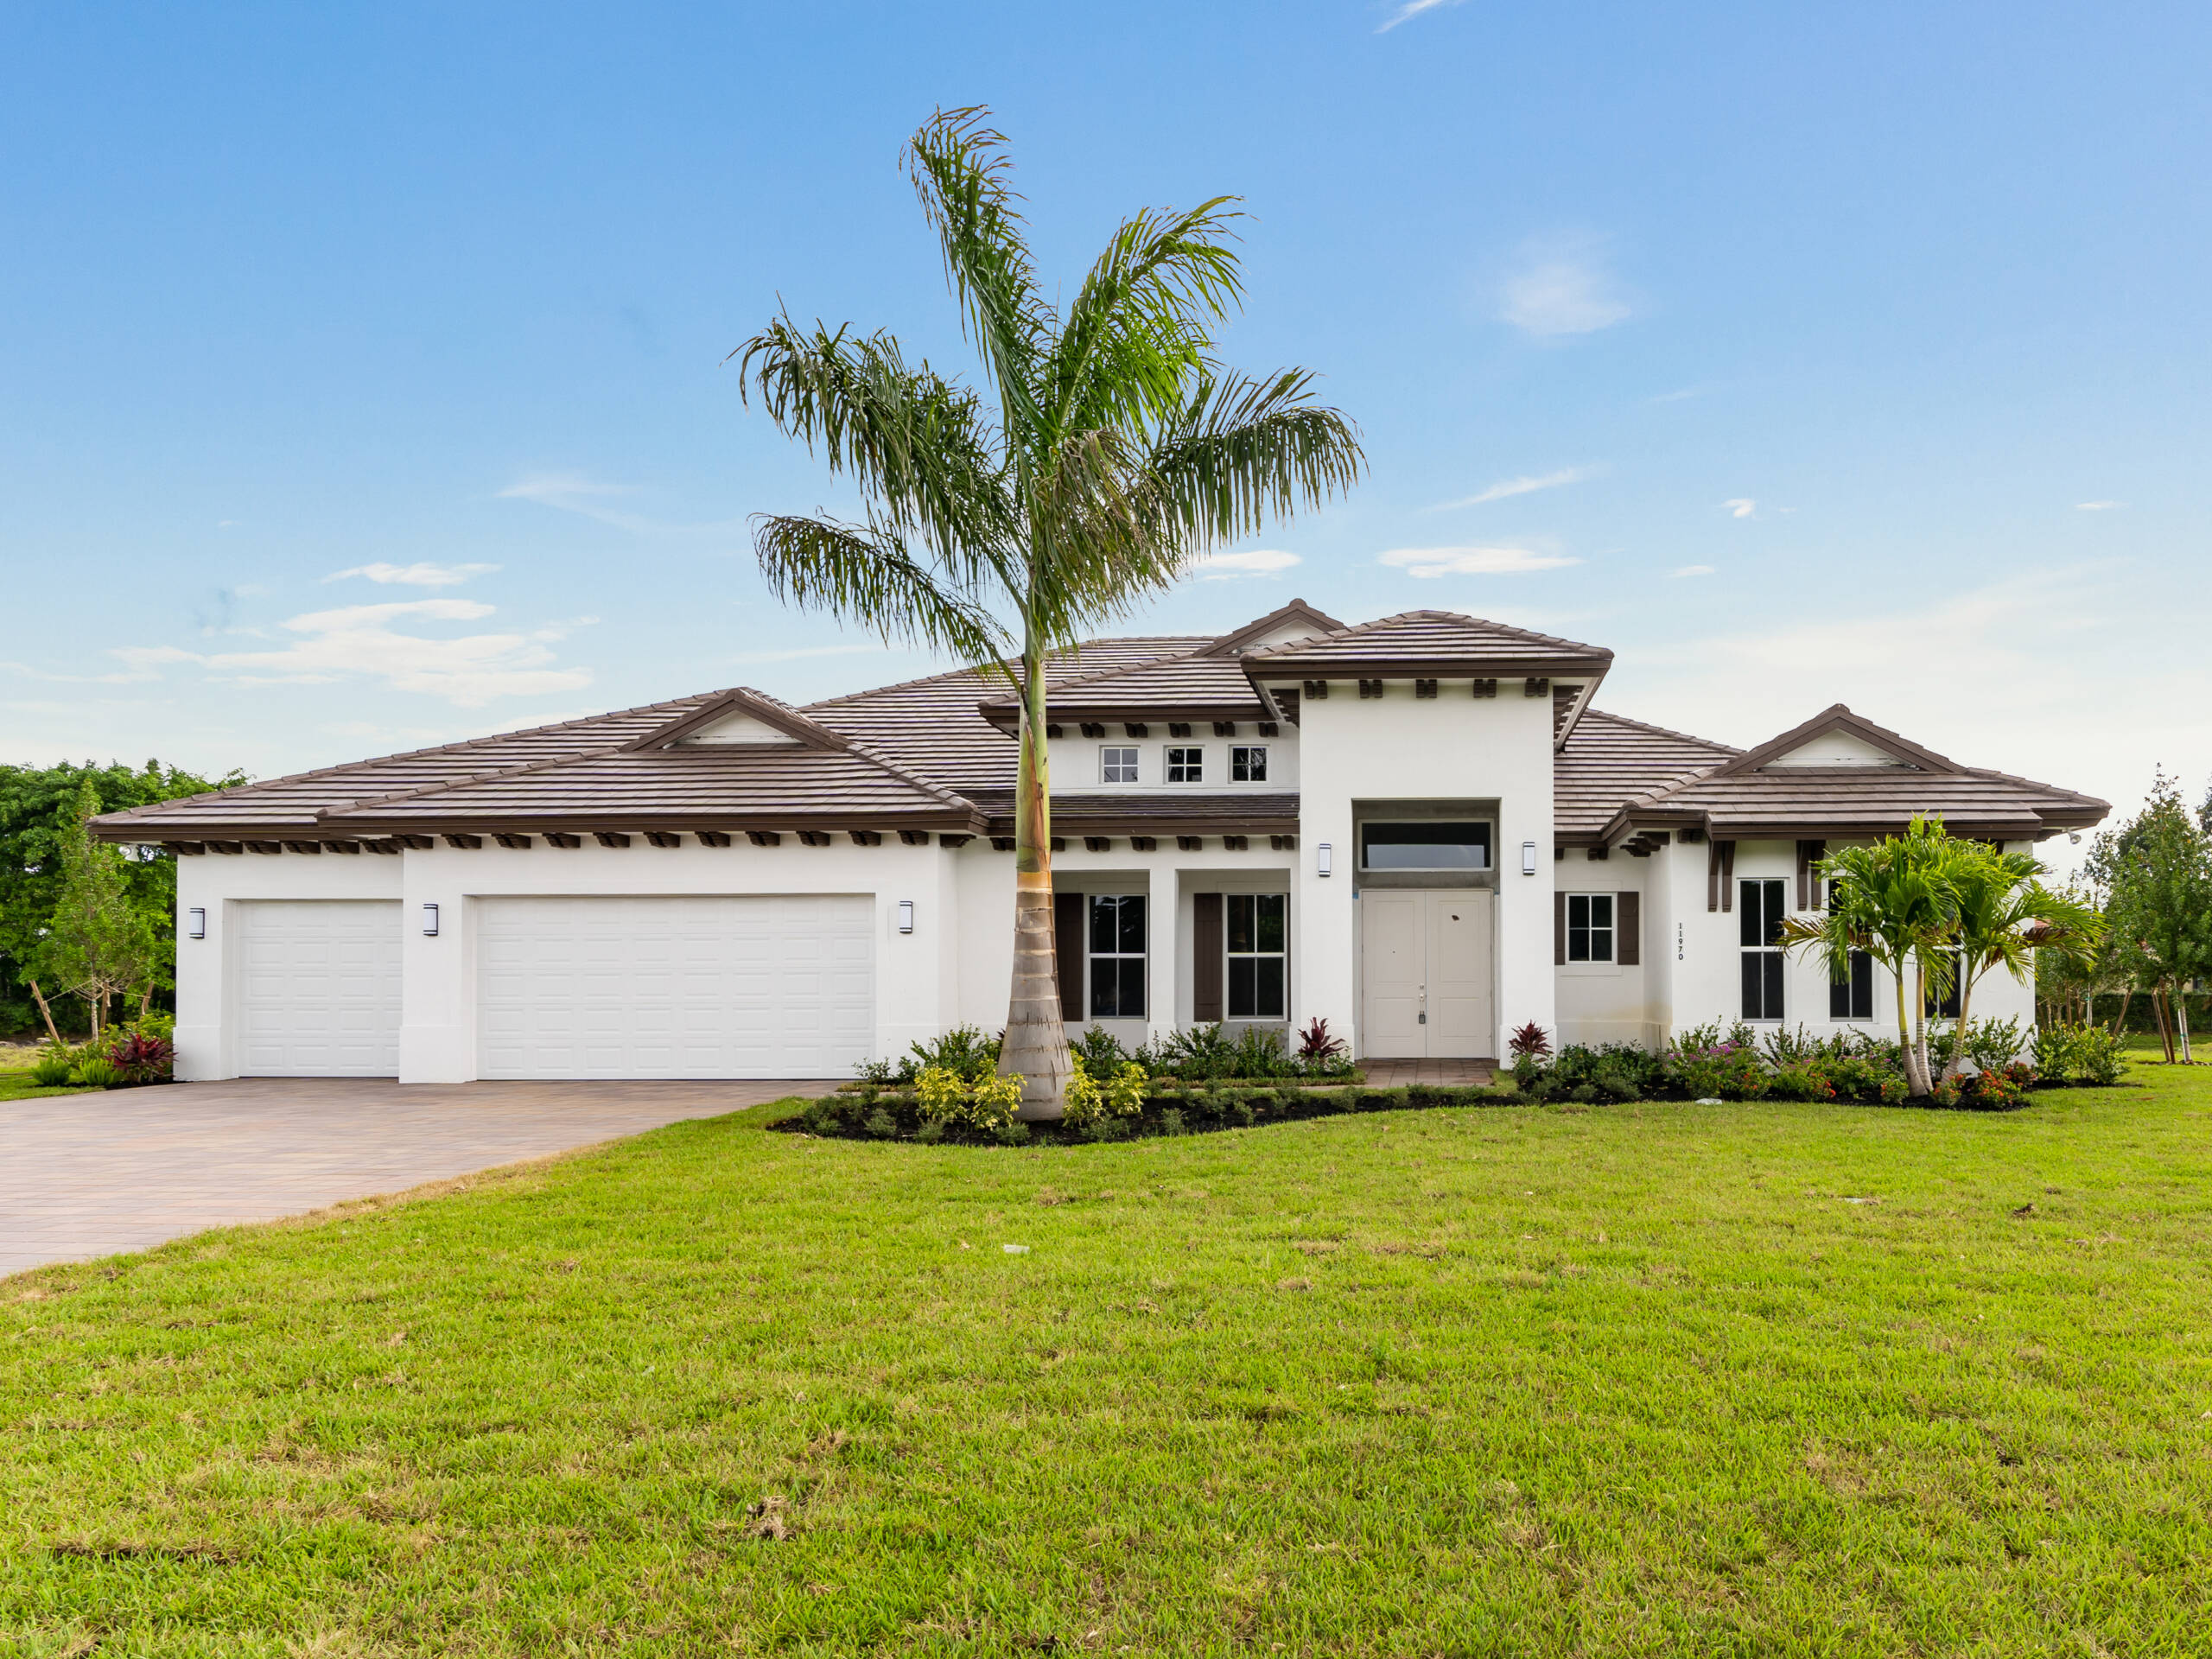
x=437, y=998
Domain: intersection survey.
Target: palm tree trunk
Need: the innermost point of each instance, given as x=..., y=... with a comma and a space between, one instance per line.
x=1927, y=1082
x=1036, y=1047
x=1915, y=1080
x=1957, y=1065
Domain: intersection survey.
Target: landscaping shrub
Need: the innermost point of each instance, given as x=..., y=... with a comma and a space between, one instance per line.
x=96, y=1072
x=1994, y=1044
x=140, y=1056
x=53, y=1068
x=1100, y=1051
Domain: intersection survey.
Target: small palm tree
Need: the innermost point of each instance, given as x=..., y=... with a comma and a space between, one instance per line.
x=2004, y=916
x=1896, y=901
x=1112, y=449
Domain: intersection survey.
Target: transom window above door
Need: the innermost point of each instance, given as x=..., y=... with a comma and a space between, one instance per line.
x=1185, y=766
x=1589, y=927
x=1425, y=844
x=1247, y=764
x=1117, y=766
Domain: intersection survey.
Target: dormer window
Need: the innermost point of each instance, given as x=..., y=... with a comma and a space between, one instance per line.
x=1117, y=766
x=1247, y=764
x=1185, y=766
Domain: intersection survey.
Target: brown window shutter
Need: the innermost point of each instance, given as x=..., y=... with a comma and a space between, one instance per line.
x=1628, y=929
x=1809, y=853
x=1558, y=929
x=1720, y=875
x=1067, y=951
x=1206, y=966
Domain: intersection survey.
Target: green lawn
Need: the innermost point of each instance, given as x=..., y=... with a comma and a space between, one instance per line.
x=1654, y=1379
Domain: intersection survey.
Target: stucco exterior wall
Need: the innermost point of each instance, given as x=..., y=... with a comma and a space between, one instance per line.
x=1399, y=746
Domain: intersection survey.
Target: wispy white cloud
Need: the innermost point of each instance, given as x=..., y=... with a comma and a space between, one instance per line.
x=360, y=642
x=1562, y=285
x=1682, y=396
x=1426, y=561
x=1411, y=10
x=591, y=499
x=1527, y=485
x=1741, y=507
x=1693, y=570
x=2098, y=506
x=422, y=574
x=1229, y=567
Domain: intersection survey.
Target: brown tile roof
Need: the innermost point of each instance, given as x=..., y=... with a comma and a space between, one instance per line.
x=292, y=803
x=1155, y=812
x=932, y=724
x=1608, y=759
x=1426, y=643
x=1201, y=683
x=740, y=785
x=1749, y=797
x=882, y=745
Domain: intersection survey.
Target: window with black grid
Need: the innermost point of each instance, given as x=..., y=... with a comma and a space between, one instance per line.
x=1255, y=937
x=1117, y=955
x=1759, y=910
x=1589, y=927
x=1851, y=997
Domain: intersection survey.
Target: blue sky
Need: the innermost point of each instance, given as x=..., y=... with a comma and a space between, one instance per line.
x=360, y=383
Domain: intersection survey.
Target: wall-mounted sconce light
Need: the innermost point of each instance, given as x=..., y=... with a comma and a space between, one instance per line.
x=1528, y=858
x=1324, y=858
x=905, y=915
x=196, y=924
x=430, y=921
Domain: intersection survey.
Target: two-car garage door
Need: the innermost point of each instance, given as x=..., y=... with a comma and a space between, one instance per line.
x=603, y=988
x=694, y=986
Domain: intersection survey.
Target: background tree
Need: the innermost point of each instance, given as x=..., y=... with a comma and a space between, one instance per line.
x=1109, y=449
x=2157, y=868
x=97, y=944
x=2004, y=917
x=38, y=809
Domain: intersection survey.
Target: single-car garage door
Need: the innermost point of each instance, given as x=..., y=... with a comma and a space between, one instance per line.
x=713, y=987
x=318, y=987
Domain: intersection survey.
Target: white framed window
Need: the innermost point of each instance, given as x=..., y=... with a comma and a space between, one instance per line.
x=1247, y=764
x=1255, y=940
x=1117, y=766
x=1589, y=927
x=1117, y=955
x=1187, y=767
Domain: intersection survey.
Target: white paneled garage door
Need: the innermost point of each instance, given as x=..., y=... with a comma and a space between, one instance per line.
x=318, y=987
x=713, y=987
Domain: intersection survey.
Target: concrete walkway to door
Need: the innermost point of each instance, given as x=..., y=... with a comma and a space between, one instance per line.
x=91, y=1174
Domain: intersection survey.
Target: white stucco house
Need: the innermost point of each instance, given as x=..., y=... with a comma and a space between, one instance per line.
x=1419, y=828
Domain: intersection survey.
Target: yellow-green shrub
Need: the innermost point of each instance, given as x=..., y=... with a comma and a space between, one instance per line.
x=994, y=1101
x=941, y=1096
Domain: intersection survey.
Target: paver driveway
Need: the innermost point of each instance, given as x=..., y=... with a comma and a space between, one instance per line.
x=85, y=1175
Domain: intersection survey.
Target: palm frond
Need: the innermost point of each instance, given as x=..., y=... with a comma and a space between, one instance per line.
x=920, y=445
x=1140, y=327
x=960, y=169
x=865, y=576
x=1241, y=451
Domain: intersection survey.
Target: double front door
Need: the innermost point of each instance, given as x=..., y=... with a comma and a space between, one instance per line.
x=1424, y=974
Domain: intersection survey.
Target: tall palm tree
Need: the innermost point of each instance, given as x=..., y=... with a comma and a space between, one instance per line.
x=1896, y=901
x=2004, y=915
x=1111, y=449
